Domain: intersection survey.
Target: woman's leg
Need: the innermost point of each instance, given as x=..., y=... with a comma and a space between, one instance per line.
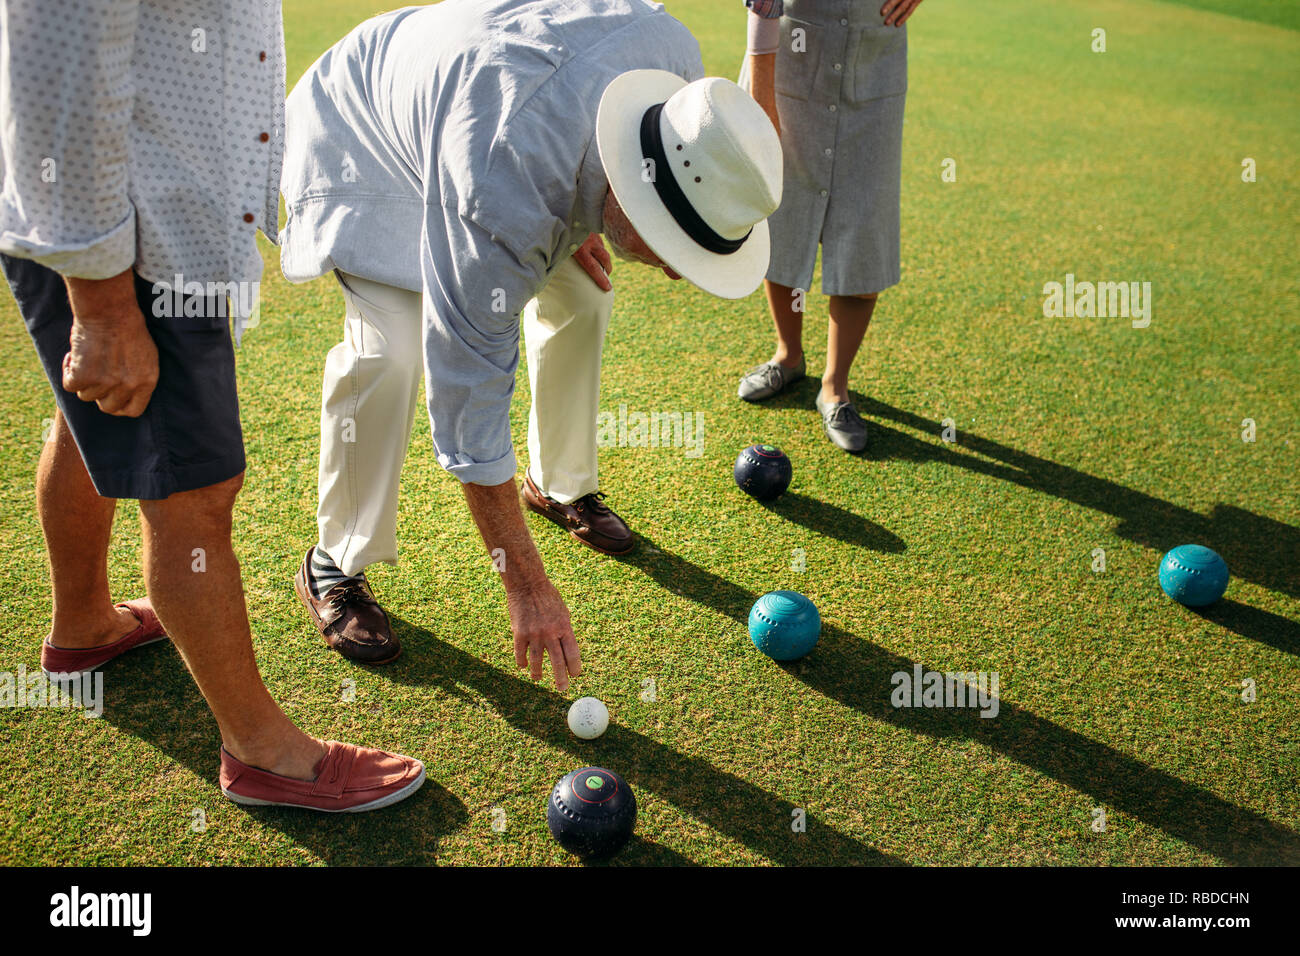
x=781, y=300
x=850, y=316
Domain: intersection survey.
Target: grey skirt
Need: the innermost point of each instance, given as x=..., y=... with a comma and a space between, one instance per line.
x=841, y=81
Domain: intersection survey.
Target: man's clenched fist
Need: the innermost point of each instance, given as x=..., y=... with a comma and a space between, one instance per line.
x=113, y=361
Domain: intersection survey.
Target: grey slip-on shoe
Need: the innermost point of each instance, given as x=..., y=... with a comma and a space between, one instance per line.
x=844, y=426
x=769, y=379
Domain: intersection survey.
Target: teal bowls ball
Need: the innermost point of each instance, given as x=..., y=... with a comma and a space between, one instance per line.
x=784, y=625
x=1193, y=575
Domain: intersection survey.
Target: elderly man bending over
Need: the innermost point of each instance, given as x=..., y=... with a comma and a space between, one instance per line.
x=454, y=167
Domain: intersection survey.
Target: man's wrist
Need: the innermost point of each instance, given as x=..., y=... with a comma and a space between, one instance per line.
x=524, y=573
x=524, y=588
x=107, y=302
x=500, y=521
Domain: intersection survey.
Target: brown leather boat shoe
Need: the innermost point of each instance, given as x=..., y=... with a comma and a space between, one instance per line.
x=588, y=519
x=349, y=618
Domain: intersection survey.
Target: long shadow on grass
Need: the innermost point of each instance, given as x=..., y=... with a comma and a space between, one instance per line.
x=643, y=852
x=727, y=803
x=1263, y=626
x=152, y=696
x=835, y=522
x=858, y=673
x=1257, y=548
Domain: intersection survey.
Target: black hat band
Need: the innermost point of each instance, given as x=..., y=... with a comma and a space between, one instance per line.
x=670, y=193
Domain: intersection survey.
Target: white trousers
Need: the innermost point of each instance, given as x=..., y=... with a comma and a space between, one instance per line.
x=371, y=387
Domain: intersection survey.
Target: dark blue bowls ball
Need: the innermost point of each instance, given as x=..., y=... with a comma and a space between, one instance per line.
x=1193, y=575
x=763, y=472
x=592, y=813
x=784, y=625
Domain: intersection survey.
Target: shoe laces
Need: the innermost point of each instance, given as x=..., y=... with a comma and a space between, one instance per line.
x=775, y=374
x=768, y=373
x=843, y=413
x=346, y=593
x=595, y=499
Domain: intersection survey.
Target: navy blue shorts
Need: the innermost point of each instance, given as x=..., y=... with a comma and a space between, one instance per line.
x=189, y=434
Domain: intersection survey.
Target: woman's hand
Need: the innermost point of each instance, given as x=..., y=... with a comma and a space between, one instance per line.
x=896, y=12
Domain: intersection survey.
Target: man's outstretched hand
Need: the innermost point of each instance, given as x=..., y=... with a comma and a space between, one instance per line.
x=595, y=261
x=539, y=619
x=540, y=623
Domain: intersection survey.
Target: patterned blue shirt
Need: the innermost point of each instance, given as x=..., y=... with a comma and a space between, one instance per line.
x=141, y=134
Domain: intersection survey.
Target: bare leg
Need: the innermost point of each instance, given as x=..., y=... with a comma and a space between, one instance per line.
x=789, y=324
x=850, y=316
x=77, y=523
x=205, y=614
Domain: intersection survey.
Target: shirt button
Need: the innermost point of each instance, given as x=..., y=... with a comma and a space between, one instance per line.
x=264, y=137
x=832, y=107
x=844, y=22
x=248, y=217
x=262, y=55
x=823, y=192
x=838, y=67
x=829, y=151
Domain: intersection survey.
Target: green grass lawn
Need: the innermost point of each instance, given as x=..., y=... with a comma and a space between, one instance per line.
x=1072, y=435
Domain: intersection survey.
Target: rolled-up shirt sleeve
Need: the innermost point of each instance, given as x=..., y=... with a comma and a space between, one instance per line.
x=66, y=98
x=474, y=289
x=763, y=31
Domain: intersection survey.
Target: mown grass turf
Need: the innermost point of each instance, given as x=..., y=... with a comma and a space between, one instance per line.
x=1281, y=13
x=1071, y=435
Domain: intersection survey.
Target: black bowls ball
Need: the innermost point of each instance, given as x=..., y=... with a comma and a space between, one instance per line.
x=763, y=472
x=592, y=813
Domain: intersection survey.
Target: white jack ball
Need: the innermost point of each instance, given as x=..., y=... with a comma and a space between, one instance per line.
x=588, y=718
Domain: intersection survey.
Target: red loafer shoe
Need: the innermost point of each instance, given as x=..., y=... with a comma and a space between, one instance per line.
x=72, y=661
x=350, y=779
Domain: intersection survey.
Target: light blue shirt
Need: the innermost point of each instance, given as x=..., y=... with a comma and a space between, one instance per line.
x=450, y=150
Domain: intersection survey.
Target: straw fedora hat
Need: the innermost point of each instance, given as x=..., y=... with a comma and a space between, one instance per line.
x=697, y=169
